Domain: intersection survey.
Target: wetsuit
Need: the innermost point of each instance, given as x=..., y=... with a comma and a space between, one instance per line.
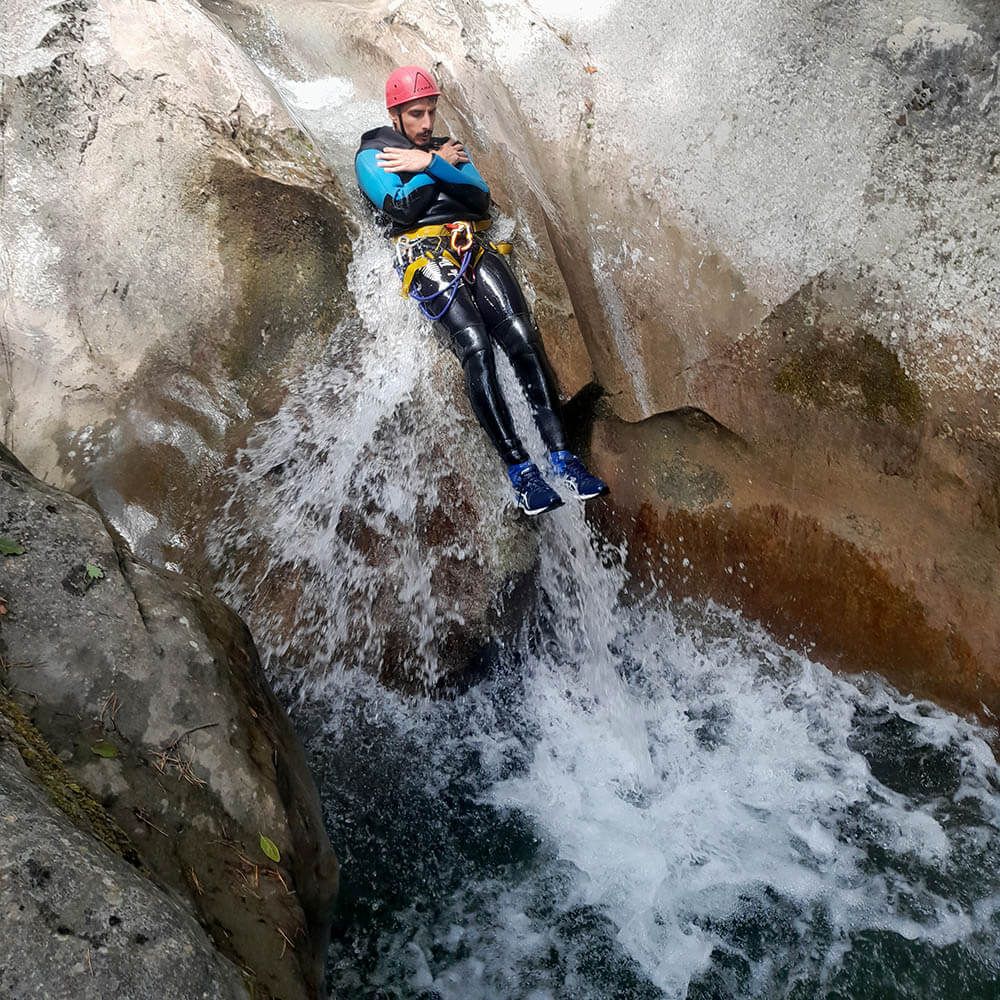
x=487, y=306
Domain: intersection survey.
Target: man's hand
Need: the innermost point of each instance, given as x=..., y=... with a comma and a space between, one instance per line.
x=454, y=152
x=404, y=161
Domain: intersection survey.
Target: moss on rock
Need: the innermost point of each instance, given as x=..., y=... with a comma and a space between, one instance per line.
x=860, y=375
x=48, y=770
x=285, y=248
x=835, y=365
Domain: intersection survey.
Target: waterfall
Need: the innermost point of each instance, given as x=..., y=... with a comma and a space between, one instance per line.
x=638, y=800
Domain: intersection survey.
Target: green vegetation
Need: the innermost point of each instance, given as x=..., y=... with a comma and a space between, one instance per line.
x=85, y=812
x=859, y=374
x=270, y=848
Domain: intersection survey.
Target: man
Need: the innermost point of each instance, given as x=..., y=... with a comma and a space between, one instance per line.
x=435, y=205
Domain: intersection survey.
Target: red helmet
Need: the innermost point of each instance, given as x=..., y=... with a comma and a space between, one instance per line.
x=408, y=83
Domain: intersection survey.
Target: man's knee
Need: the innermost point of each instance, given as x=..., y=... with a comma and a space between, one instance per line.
x=517, y=335
x=470, y=344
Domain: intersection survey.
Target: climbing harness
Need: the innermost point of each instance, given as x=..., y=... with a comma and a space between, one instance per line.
x=451, y=289
x=415, y=251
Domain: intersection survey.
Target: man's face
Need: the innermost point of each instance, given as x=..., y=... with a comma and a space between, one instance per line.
x=416, y=120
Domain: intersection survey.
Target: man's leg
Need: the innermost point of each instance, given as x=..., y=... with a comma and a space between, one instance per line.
x=508, y=319
x=471, y=344
x=467, y=332
x=503, y=307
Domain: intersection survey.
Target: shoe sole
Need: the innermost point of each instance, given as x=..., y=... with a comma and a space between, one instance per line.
x=540, y=510
x=588, y=496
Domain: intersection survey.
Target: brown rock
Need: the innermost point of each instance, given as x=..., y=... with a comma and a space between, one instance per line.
x=862, y=569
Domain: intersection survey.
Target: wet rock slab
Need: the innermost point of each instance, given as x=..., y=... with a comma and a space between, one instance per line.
x=863, y=569
x=787, y=230
x=175, y=250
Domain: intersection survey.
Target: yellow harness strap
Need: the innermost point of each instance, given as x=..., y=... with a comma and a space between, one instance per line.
x=410, y=272
x=424, y=231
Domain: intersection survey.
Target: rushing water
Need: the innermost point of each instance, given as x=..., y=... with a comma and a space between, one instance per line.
x=638, y=801
x=633, y=806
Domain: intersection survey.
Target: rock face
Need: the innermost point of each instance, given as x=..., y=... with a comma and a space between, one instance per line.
x=692, y=173
x=821, y=554
x=777, y=218
x=174, y=263
x=363, y=528
x=151, y=692
x=172, y=249
x=80, y=921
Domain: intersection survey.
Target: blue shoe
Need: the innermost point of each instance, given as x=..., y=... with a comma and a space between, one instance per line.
x=574, y=474
x=534, y=495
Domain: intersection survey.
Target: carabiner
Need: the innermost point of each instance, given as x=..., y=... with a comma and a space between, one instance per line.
x=460, y=231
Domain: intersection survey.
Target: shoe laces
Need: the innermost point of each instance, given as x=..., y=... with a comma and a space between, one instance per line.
x=574, y=467
x=529, y=476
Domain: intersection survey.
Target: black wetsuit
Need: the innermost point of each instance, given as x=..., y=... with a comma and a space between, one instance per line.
x=488, y=305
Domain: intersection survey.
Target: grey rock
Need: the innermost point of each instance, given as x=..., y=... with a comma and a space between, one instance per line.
x=173, y=248
x=101, y=647
x=789, y=226
x=80, y=922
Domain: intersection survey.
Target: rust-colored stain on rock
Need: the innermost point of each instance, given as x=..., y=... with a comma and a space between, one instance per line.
x=860, y=569
x=812, y=589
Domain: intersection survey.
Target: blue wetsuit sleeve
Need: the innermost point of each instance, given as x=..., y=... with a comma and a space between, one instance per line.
x=463, y=182
x=465, y=174
x=403, y=203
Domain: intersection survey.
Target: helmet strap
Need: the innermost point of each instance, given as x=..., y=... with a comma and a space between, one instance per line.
x=397, y=123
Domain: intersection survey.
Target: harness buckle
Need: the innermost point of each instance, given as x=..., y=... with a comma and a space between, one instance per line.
x=404, y=251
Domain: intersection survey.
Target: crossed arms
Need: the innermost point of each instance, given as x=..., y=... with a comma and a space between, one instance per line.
x=406, y=202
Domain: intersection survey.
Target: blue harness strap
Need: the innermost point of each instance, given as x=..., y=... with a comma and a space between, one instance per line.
x=451, y=290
